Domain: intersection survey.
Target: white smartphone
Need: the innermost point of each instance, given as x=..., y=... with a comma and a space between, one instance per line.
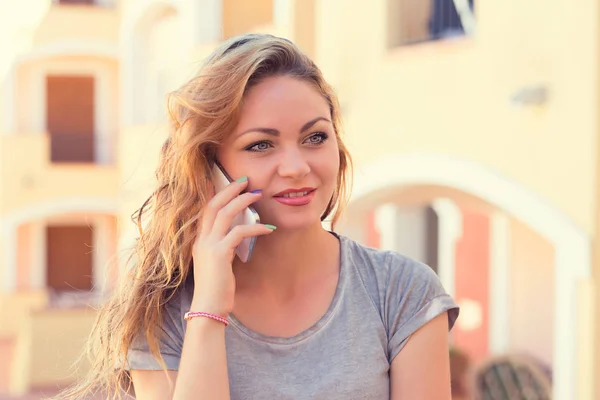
x=248, y=216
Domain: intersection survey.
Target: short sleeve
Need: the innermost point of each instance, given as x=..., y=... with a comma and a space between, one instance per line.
x=170, y=338
x=414, y=296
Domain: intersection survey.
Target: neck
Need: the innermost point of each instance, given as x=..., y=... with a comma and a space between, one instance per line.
x=283, y=258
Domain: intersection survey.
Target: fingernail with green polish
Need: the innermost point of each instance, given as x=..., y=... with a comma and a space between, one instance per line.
x=242, y=179
x=272, y=227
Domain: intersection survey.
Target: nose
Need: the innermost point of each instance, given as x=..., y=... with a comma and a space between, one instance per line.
x=293, y=164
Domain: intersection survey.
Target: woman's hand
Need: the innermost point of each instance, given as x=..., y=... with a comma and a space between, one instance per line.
x=214, y=248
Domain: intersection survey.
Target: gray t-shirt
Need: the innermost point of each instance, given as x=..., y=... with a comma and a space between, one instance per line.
x=381, y=299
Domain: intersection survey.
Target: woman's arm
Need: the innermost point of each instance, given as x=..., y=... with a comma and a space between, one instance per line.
x=202, y=370
x=422, y=368
x=153, y=385
x=203, y=364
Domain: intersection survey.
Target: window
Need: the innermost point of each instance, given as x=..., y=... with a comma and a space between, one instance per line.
x=95, y=3
x=69, y=258
x=70, y=118
x=446, y=18
x=432, y=233
x=415, y=21
x=89, y=2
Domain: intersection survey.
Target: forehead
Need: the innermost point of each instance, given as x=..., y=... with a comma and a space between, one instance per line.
x=281, y=101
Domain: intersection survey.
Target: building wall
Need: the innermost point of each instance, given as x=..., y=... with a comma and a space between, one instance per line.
x=34, y=179
x=45, y=350
x=531, y=293
x=448, y=98
x=31, y=100
x=91, y=23
x=240, y=16
x=24, y=257
x=472, y=285
x=404, y=100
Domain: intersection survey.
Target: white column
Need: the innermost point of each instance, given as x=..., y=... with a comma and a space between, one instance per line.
x=131, y=67
x=327, y=46
x=125, y=247
x=126, y=85
x=586, y=290
x=204, y=20
x=499, y=283
x=100, y=255
x=39, y=257
x=283, y=17
x=386, y=216
x=38, y=106
x=9, y=263
x=9, y=100
x=103, y=140
x=449, y=232
x=572, y=258
x=403, y=229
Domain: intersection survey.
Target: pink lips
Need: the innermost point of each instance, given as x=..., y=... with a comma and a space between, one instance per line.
x=296, y=200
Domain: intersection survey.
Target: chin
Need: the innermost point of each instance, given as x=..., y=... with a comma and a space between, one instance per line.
x=292, y=218
x=291, y=222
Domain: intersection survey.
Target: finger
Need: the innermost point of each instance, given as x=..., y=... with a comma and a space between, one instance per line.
x=241, y=232
x=218, y=201
x=226, y=214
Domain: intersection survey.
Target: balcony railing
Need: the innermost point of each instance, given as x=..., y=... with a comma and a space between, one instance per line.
x=72, y=148
x=105, y=3
x=416, y=21
x=88, y=2
x=451, y=18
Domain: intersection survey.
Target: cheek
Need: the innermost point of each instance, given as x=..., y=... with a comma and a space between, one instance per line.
x=239, y=164
x=334, y=161
x=329, y=167
x=334, y=169
x=259, y=172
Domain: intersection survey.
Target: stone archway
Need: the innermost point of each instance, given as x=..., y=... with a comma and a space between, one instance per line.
x=571, y=244
x=11, y=222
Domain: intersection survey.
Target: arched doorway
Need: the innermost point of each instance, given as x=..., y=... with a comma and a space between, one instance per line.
x=28, y=227
x=572, y=259
x=147, y=53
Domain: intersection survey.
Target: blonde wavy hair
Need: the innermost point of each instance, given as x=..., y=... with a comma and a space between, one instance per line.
x=202, y=113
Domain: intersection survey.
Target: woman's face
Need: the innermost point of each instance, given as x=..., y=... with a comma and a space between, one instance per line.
x=285, y=144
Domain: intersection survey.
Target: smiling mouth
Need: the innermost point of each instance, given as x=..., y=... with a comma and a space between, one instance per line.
x=294, y=194
x=295, y=197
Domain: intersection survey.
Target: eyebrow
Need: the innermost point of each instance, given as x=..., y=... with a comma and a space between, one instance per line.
x=275, y=132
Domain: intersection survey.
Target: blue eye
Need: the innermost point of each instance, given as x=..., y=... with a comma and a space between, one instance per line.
x=260, y=146
x=317, y=139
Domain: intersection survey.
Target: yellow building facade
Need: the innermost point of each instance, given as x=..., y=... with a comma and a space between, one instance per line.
x=493, y=126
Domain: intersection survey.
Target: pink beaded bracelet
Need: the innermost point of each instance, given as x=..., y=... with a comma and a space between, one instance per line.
x=193, y=314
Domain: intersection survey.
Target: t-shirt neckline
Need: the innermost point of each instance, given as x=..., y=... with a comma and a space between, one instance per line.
x=318, y=325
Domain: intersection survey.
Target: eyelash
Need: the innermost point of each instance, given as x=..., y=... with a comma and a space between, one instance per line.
x=321, y=135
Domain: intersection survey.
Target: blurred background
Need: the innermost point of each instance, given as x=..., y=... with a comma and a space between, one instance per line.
x=473, y=125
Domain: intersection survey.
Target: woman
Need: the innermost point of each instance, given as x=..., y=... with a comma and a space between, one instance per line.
x=312, y=314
